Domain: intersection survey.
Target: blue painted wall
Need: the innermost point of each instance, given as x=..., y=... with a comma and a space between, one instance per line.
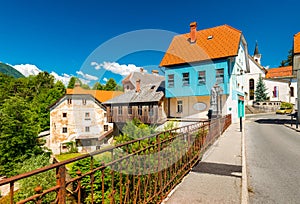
x=194, y=89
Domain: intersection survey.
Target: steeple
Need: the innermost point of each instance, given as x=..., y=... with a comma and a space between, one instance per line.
x=256, y=52
x=257, y=55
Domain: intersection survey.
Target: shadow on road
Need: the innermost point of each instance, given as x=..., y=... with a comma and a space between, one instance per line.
x=275, y=121
x=218, y=169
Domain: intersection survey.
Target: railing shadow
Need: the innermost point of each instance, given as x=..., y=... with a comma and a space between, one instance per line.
x=218, y=169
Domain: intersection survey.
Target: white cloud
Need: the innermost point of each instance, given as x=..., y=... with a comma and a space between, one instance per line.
x=64, y=78
x=30, y=69
x=121, y=69
x=27, y=69
x=105, y=79
x=87, y=76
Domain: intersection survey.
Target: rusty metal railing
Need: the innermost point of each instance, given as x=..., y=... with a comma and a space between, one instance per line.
x=143, y=170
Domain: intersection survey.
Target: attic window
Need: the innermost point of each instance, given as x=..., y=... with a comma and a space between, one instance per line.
x=210, y=37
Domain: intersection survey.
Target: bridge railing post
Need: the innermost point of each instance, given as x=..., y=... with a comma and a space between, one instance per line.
x=61, y=182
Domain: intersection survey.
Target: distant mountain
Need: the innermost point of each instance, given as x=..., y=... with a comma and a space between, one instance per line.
x=9, y=70
x=27, y=69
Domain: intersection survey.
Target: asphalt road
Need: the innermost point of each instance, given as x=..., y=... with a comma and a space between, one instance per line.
x=273, y=160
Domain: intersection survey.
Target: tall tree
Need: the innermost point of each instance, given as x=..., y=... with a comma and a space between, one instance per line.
x=261, y=90
x=98, y=86
x=85, y=86
x=288, y=61
x=18, y=133
x=71, y=83
x=110, y=85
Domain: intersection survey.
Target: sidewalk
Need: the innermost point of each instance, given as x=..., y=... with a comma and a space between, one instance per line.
x=218, y=177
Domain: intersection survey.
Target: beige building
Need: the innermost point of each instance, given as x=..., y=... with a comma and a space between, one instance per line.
x=80, y=117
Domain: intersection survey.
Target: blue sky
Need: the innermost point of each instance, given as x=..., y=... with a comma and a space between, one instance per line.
x=60, y=36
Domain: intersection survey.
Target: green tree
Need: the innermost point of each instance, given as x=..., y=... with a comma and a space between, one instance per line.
x=46, y=179
x=85, y=86
x=110, y=85
x=98, y=86
x=72, y=82
x=18, y=133
x=288, y=61
x=260, y=92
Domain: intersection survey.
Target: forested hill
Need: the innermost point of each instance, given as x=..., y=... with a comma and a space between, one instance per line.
x=10, y=71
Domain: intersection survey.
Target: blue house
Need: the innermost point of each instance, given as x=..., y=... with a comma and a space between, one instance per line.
x=205, y=62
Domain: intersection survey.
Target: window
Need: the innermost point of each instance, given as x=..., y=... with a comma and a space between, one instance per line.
x=64, y=115
x=65, y=130
x=185, y=79
x=220, y=76
x=112, y=111
x=87, y=116
x=87, y=129
x=179, y=107
x=275, y=92
x=251, y=89
x=105, y=127
x=201, y=78
x=292, y=91
x=105, y=115
x=151, y=111
x=171, y=80
x=129, y=110
x=84, y=101
x=69, y=101
x=140, y=110
x=120, y=110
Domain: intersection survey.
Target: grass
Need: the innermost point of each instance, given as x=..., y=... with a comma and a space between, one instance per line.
x=63, y=157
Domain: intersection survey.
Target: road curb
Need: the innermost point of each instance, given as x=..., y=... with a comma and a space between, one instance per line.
x=244, y=193
x=293, y=128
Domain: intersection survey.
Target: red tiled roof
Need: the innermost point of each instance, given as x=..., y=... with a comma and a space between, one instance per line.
x=100, y=95
x=279, y=72
x=297, y=43
x=213, y=43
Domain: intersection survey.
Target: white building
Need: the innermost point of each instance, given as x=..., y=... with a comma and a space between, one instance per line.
x=80, y=117
x=280, y=82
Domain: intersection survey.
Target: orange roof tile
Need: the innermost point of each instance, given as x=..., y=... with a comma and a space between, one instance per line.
x=213, y=43
x=280, y=72
x=100, y=95
x=297, y=43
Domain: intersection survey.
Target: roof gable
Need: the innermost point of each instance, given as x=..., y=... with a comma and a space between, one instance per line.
x=213, y=43
x=297, y=43
x=144, y=77
x=257, y=64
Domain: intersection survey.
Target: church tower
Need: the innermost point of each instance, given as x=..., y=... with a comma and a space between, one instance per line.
x=257, y=55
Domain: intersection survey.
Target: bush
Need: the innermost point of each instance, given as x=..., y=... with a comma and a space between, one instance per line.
x=45, y=180
x=286, y=105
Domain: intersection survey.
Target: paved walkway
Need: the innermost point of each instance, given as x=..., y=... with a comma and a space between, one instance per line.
x=218, y=177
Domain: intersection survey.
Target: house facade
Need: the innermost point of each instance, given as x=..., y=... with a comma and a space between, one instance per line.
x=80, y=117
x=143, y=99
x=197, y=62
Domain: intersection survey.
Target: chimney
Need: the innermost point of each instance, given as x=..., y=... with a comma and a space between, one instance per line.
x=193, y=32
x=155, y=72
x=138, y=85
x=141, y=69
